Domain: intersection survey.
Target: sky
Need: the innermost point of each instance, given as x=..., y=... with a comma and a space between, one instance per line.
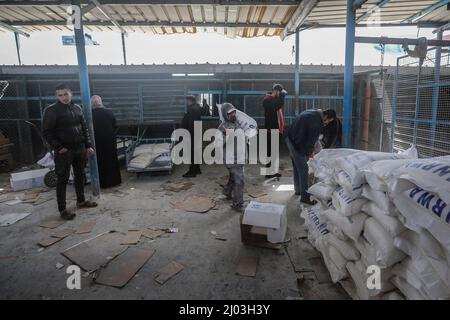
x=320, y=46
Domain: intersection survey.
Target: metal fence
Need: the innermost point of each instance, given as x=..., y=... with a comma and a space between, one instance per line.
x=151, y=102
x=421, y=104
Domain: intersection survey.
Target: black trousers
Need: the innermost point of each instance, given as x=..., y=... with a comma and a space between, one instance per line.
x=194, y=168
x=75, y=158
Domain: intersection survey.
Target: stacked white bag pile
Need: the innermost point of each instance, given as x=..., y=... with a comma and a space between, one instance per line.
x=364, y=228
x=420, y=190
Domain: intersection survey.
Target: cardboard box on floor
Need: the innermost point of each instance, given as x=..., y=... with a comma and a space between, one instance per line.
x=264, y=225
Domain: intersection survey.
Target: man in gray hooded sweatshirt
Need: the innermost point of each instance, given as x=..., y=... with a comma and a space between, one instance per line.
x=235, y=188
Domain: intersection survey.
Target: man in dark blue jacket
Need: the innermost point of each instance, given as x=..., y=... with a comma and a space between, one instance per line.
x=301, y=138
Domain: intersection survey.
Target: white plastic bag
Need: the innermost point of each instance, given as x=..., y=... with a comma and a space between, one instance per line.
x=322, y=190
x=381, y=198
x=383, y=242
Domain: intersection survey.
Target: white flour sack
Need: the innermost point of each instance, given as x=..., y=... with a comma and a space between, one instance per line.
x=393, y=295
x=410, y=243
x=315, y=223
x=431, y=174
x=358, y=272
x=348, y=169
x=322, y=190
x=378, y=173
x=351, y=226
x=381, y=198
x=334, y=261
x=345, y=204
x=368, y=252
x=420, y=275
x=390, y=223
x=323, y=163
x=382, y=240
x=346, y=248
x=425, y=209
x=408, y=290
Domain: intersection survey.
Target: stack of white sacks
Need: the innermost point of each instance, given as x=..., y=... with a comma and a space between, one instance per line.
x=386, y=210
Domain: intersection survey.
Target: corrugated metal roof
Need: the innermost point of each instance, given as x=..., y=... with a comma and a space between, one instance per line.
x=268, y=19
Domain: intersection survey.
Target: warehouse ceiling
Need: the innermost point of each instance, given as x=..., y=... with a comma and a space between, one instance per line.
x=237, y=18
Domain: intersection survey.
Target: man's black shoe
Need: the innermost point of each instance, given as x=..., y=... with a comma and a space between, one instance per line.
x=308, y=201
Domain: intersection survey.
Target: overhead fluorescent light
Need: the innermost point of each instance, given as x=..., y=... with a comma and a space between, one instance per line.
x=178, y=74
x=200, y=74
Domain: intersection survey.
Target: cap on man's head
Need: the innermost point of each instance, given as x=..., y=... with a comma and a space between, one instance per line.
x=277, y=87
x=227, y=108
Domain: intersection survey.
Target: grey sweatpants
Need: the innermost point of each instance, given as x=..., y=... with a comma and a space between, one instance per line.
x=235, y=185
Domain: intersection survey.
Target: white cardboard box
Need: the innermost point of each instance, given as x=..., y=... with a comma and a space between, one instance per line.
x=28, y=179
x=267, y=215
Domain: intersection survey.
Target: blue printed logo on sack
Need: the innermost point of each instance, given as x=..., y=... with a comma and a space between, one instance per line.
x=321, y=227
x=431, y=202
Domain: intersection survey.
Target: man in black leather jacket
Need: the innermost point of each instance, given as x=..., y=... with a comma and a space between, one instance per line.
x=65, y=130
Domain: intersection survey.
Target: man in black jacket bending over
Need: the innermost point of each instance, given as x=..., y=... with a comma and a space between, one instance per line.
x=301, y=138
x=64, y=128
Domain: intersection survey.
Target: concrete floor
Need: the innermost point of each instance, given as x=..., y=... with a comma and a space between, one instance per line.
x=210, y=264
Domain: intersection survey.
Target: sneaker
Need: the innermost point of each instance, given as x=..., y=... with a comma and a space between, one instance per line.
x=189, y=174
x=237, y=207
x=66, y=214
x=87, y=204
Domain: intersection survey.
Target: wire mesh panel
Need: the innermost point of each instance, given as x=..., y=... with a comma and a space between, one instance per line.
x=421, y=105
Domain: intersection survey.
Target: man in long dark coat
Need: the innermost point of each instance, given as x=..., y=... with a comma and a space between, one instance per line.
x=106, y=145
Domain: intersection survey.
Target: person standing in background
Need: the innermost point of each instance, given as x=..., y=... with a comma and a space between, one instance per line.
x=65, y=130
x=105, y=141
x=273, y=117
x=332, y=131
x=193, y=113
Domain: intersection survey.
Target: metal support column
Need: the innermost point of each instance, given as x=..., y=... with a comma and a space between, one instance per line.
x=297, y=72
x=16, y=36
x=85, y=98
x=436, y=87
x=348, y=75
x=124, y=49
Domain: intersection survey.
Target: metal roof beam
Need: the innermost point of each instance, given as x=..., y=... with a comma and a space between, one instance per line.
x=13, y=29
x=371, y=10
x=443, y=28
x=159, y=24
x=406, y=41
x=299, y=17
x=113, y=21
x=157, y=2
x=426, y=11
x=87, y=8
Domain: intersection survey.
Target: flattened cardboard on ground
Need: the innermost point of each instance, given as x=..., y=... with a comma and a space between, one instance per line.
x=86, y=227
x=264, y=199
x=256, y=240
x=52, y=224
x=120, y=194
x=41, y=200
x=56, y=237
x=97, y=251
x=247, y=266
x=198, y=204
x=63, y=233
x=11, y=218
x=49, y=241
x=256, y=194
x=132, y=237
x=177, y=186
x=152, y=234
x=119, y=271
x=168, y=272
